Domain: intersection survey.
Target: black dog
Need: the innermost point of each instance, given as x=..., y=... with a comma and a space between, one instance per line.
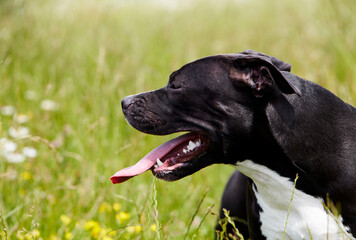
x=248, y=106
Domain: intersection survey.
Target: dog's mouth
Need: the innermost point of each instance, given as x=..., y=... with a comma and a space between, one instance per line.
x=170, y=160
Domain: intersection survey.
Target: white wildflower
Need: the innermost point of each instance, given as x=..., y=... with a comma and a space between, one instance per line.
x=21, y=118
x=30, y=95
x=7, y=110
x=15, y=157
x=49, y=105
x=20, y=132
x=7, y=146
x=29, y=152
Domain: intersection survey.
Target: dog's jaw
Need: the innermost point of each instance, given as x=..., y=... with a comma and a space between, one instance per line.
x=174, y=164
x=172, y=160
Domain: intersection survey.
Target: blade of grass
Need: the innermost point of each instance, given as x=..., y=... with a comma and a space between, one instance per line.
x=195, y=213
x=154, y=207
x=229, y=220
x=201, y=222
x=3, y=227
x=290, y=205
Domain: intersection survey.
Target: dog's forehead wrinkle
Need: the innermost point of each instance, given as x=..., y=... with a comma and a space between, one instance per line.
x=225, y=108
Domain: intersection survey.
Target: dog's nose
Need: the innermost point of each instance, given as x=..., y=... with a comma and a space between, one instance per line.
x=126, y=102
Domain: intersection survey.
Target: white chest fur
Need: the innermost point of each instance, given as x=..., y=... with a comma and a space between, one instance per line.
x=307, y=217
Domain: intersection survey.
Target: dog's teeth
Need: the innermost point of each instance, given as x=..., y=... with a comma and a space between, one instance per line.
x=156, y=166
x=191, y=145
x=159, y=163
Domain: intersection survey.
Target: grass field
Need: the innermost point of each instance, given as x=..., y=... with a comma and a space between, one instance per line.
x=64, y=68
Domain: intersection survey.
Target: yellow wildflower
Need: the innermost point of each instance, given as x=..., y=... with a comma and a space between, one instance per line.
x=122, y=216
x=65, y=219
x=134, y=229
x=26, y=175
x=19, y=235
x=95, y=232
x=2, y=234
x=34, y=234
x=138, y=228
x=107, y=238
x=153, y=227
x=130, y=229
x=54, y=237
x=68, y=235
x=104, y=207
x=104, y=231
x=90, y=225
x=116, y=207
x=93, y=227
x=112, y=233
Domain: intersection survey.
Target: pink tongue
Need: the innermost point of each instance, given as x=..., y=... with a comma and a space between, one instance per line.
x=150, y=159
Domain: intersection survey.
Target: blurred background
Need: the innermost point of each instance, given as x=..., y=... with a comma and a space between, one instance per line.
x=64, y=68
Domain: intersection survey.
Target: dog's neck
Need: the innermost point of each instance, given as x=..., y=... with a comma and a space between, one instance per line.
x=307, y=215
x=307, y=143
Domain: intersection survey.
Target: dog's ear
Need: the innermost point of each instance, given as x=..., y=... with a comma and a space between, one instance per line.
x=261, y=73
x=279, y=64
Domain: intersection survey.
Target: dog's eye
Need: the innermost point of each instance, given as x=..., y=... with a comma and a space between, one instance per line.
x=174, y=85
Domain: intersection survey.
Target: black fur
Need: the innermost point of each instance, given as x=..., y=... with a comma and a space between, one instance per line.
x=251, y=107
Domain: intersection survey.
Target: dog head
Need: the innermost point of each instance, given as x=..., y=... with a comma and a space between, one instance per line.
x=215, y=100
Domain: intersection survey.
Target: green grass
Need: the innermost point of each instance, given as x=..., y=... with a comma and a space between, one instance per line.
x=87, y=55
